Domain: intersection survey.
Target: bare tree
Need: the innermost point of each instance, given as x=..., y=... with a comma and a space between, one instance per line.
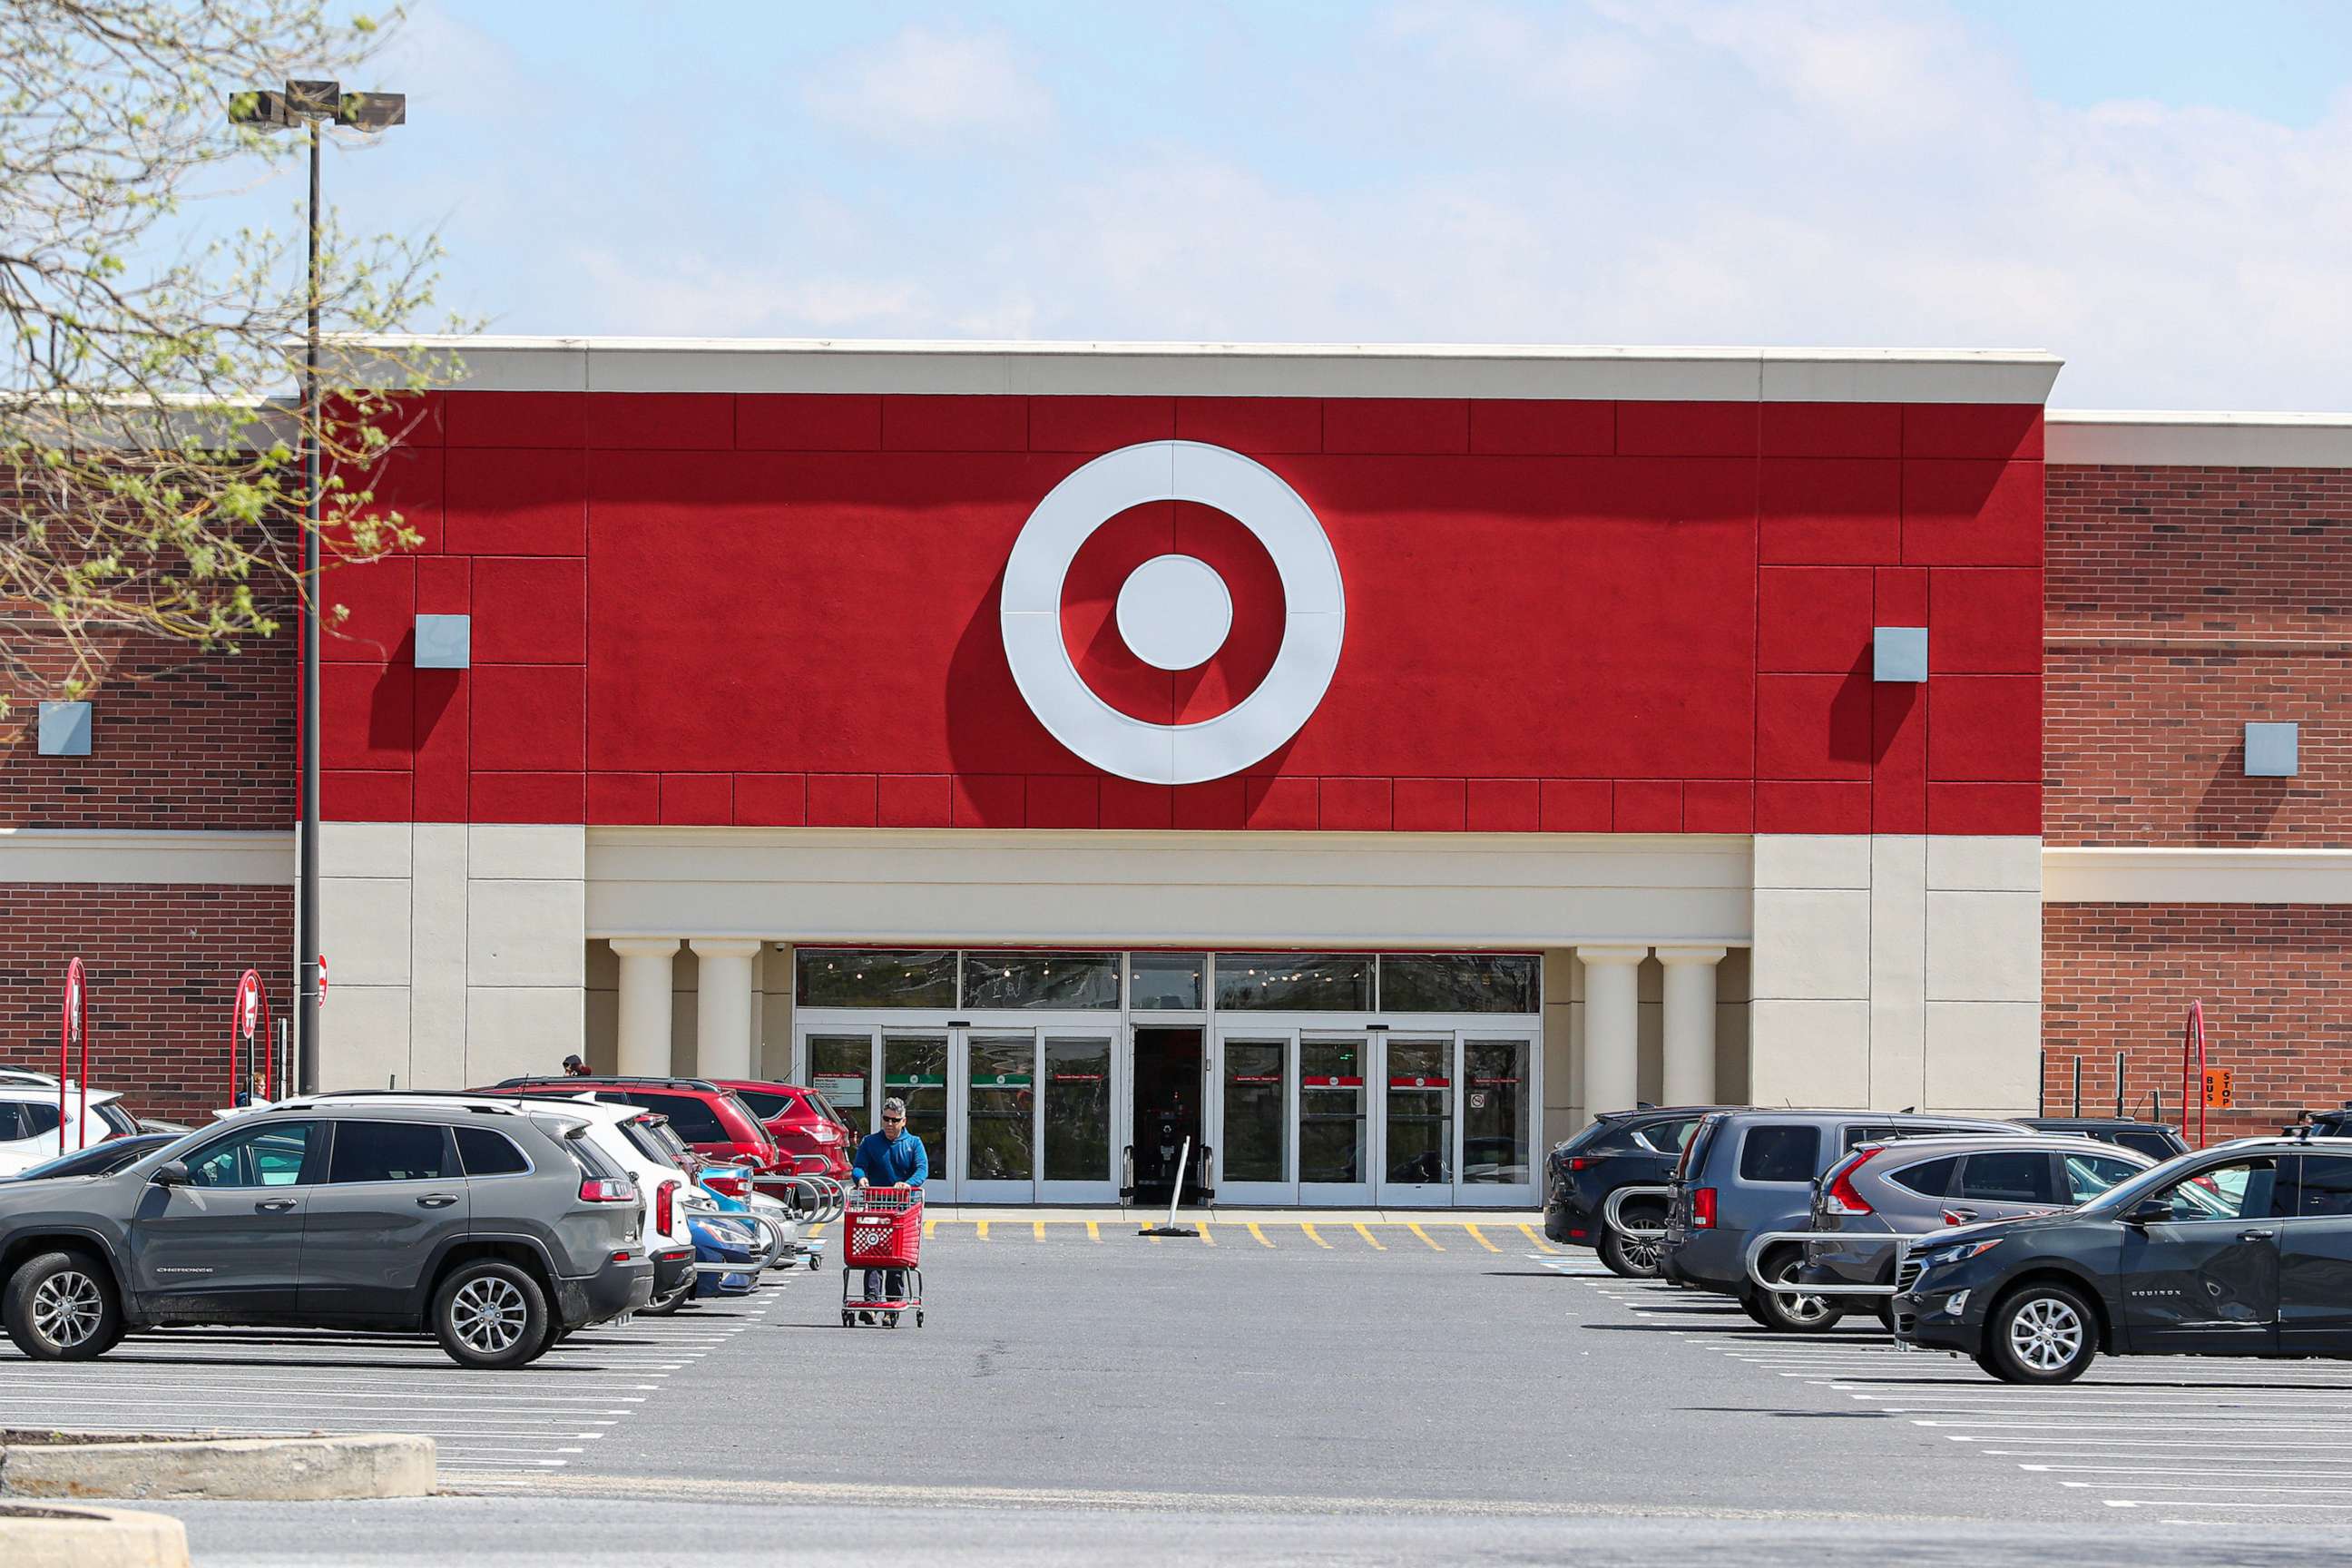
x=151, y=475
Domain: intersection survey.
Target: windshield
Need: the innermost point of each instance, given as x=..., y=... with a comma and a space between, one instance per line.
x=1590, y=1135
x=99, y=1160
x=2123, y=1194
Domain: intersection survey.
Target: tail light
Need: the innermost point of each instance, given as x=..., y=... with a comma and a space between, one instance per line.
x=1838, y=1194
x=1702, y=1209
x=1579, y=1162
x=665, y=1208
x=728, y=1187
x=607, y=1190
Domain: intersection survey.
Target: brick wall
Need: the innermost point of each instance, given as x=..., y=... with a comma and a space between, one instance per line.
x=2275, y=981
x=162, y=964
x=2181, y=603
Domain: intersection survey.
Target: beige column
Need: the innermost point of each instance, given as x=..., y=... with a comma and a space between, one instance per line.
x=722, y=1006
x=1611, y=1026
x=1689, y=1024
x=644, y=1004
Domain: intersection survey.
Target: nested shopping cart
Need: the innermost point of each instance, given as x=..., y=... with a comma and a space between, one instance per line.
x=886, y=1233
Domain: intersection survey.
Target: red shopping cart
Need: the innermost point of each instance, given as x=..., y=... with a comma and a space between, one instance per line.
x=886, y=1233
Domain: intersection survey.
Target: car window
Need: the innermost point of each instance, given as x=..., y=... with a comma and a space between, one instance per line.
x=2010, y=1176
x=11, y=1124
x=824, y=1106
x=2155, y=1145
x=767, y=1104
x=388, y=1152
x=267, y=1156
x=1928, y=1178
x=483, y=1152
x=695, y=1121
x=38, y=1117
x=1780, y=1154
x=1856, y=1136
x=2239, y=1190
x=2088, y=1175
x=1668, y=1137
x=2325, y=1189
x=114, y=1116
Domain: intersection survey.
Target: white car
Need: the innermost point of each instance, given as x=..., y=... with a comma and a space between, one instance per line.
x=29, y=1122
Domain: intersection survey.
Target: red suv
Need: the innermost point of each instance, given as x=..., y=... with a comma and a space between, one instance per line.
x=802, y=1123
x=714, y=1122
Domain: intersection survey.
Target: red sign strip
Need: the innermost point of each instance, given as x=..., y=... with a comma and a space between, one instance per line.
x=1421, y=1083
x=1328, y=1082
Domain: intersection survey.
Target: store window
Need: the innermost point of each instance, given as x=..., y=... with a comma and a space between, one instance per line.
x=1165, y=982
x=1062, y=980
x=1460, y=983
x=1295, y=981
x=864, y=977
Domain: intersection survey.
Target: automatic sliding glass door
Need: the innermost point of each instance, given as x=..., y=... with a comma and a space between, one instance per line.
x=1497, y=1121
x=1253, y=1115
x=915, y=1069
x=1074, y=1119
x=1417, y=1122
x=1333, y=1145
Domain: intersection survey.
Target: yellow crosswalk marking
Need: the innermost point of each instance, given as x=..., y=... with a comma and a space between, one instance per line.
x=1094, y=1230
x=1414, y=1226
x=1541, y=1245
x=1258, y=1234
x=1361, y=1230
x=1314, y=1235
x=980, y=1230
x=1037, y=1228
x=1480, y=1237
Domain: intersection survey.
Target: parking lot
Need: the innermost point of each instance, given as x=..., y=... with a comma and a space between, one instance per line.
x=1414, y=1387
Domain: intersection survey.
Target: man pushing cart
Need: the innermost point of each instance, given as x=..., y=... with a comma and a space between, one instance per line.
x=885, y=1223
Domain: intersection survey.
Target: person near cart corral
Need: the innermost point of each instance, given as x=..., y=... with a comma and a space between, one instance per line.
x=574, y=1067
x=890, y=1156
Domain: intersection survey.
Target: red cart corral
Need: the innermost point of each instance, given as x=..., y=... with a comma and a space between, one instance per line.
x=884, y=1227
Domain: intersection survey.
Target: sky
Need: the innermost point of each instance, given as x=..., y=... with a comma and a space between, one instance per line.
x=2158, y=192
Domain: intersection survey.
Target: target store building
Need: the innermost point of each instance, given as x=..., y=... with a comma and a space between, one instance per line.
x=1364, y=761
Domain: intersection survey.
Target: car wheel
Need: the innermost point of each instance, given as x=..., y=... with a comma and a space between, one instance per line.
x=490, y=1316
x=1749, y=1303
x=1634, y=1257
x=61, y=1306
x=1793, y=1314
x=2042, y=1334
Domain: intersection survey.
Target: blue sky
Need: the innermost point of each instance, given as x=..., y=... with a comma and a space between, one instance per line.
x=2156, y=191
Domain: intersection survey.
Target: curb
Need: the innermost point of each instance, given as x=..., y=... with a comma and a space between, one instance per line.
x=253, y=1470
x=90, y=1538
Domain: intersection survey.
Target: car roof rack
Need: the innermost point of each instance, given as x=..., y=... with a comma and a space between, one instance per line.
x=613, y=1080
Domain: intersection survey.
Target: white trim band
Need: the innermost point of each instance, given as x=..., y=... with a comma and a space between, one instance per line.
x=2170, y=875
x=2131, y=438
x=135, y=855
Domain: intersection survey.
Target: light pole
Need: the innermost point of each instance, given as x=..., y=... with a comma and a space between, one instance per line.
x=307, y=105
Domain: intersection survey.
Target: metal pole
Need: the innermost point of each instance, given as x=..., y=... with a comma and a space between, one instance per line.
x=306, y=916
x=2078, y=1085
x=2119, y=1086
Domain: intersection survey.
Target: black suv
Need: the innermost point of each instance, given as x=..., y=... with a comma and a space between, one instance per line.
x=1635, y=1148
x=2153, y=1139
x=2240, y=1250
x=499, y=1230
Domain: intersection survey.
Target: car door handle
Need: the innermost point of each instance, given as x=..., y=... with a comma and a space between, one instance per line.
x=436, y=1200
x=273, y=1206
x=2256, y=1234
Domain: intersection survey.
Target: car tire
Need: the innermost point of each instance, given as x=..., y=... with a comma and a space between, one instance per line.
x=490, y=1316
x=1792, y=1314
x=2043, y=1333
x=1634, y=1258
x=61, y=1306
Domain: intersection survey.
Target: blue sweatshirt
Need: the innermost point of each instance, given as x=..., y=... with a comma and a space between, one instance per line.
x=889, y=1162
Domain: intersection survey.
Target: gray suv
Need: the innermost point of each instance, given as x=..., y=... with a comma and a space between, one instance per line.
x=499, y=1230
x=1747, y=1172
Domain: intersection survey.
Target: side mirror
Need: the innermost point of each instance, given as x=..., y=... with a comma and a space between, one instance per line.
x=171, y=1173
x=2149, y=1211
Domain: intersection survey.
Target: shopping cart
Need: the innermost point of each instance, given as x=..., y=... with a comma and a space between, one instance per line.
x=885, y=1226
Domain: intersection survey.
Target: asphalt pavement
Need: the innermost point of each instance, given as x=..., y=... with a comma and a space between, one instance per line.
x=1277, y=1391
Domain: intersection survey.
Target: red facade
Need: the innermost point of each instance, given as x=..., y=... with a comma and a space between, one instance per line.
x=1561, y=616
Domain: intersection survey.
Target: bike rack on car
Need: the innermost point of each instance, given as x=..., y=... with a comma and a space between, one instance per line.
x=1611, y=1216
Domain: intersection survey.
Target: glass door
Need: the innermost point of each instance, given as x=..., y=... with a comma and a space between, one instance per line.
x=1000, y=1118
x=1334, y=1144
x=841, y=1068
x=1254, y=1118
x=1074, y=1121
x=1497, y=1122
x=1417, y=1122
x=915, y=1069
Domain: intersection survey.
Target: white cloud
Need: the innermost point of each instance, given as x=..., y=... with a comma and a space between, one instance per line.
x=927, y=86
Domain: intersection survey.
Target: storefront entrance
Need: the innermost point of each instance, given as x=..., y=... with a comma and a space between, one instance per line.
x=1169, y=1077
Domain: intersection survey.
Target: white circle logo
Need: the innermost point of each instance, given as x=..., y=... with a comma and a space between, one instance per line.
x=1174, y=612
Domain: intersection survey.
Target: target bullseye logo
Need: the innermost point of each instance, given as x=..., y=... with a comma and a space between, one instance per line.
x=1173, y=613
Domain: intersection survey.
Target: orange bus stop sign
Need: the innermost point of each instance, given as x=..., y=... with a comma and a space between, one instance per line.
x=2220, y=1090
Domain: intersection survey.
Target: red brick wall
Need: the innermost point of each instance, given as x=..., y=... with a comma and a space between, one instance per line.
x=2275, y=982
x=162, y=964
x=2181, y=603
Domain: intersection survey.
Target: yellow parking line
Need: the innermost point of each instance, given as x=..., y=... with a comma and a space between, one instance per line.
x=1094, y=1230
x=1313, y=1235
x=1541, y=1245
x=1479, y=1236
x=1206, y=1239
x=1260, y=1235
x=980, y=1229
x=1367, y=1235
x=930, y=1228
x=1151, y=1239
x=1037, y=1228
x=1415, y=1227
x=817, y=1229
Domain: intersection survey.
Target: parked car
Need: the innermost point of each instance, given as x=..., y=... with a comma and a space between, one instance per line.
x=29, y=1120
x=98, y=1160
x=1635, y=1148
x=2243, y=1249
x=727, y=1254
x=1917, y=1186
x=494, y=1228
x=714, y=1121
x=2156, y=1139
x=1748, y=1171
x=815, y=1139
